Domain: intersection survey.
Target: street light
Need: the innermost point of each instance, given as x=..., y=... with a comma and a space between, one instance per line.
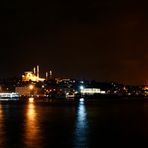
x=31, y=100
x=31, y=87
x=81, y=87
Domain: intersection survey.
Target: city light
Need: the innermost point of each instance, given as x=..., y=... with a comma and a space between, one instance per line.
x=82, y=82
x=9, y=96
x=81, y=99
x=90, y=90
x=31, y=100
x=81, y=87
x=31, y=87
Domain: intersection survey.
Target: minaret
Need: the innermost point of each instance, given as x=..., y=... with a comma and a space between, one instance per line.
x=46, y=75
x=38, y=71
x=50, y=74
x=34, y=71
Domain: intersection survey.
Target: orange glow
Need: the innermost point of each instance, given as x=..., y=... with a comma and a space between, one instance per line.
x=31, y=100
x=146, y=88
x=31, y=111
x=31, y=87
x=2, y=125
x=1, y=111
x=31, y=127
x=31, y=76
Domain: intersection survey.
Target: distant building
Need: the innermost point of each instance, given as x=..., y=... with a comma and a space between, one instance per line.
x=91, y=91
x=26, y=90
x=32, y=76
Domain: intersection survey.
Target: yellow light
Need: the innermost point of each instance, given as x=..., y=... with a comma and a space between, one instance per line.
x=31, y=100
x=31, y=87
x=90, y=90
x=146, y=88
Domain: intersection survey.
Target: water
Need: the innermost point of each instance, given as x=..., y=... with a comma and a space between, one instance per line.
x=117, y=123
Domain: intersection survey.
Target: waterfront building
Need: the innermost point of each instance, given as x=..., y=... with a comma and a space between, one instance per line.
x=91, y=91
x=5, y=96
x=30, y=90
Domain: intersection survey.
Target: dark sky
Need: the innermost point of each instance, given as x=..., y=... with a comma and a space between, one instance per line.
x=93, y=39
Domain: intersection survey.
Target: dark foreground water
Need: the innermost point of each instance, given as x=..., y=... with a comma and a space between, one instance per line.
x=118, y=123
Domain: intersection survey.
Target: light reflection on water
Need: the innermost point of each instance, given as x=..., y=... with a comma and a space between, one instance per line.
x=32, y=131
x=2, y=132
x=81, y=127
x=71, y=125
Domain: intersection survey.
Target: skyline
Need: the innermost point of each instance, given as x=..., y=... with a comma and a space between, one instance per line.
x=105, y=41
x=35, y=75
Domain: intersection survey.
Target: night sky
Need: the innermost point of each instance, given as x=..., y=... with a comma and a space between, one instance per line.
x=105, y=40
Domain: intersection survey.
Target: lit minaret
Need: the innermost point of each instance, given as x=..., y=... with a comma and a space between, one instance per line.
x=34, y=71
x=46, y=75
x=50, y=74
x=38, y=71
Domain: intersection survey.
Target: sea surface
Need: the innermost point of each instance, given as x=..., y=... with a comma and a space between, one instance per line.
x=76, y=125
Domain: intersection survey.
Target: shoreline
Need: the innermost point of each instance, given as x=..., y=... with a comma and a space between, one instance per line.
x=99, y=100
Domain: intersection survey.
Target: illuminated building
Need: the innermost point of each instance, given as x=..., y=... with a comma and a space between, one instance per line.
x=27, y=90
x=145, y=90
x=91, y=91
x=9, y=96
x=33, y=76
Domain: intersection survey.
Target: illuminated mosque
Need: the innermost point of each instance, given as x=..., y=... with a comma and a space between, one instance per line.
x=32, y=76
